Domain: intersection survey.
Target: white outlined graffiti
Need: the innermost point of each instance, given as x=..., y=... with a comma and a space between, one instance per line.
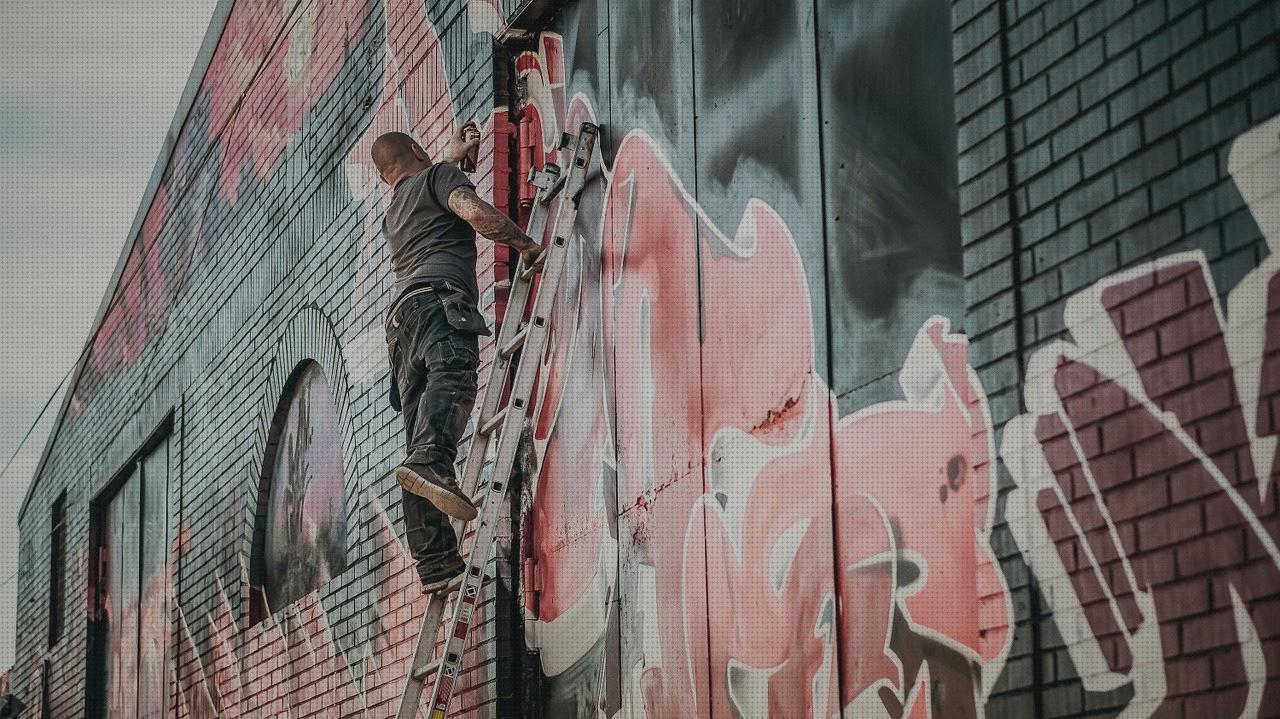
x=1145, y=467
x=711, y=562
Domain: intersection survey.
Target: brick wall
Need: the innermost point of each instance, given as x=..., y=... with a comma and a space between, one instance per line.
x=260, y=250
x=1100, y=209
x=758, y=410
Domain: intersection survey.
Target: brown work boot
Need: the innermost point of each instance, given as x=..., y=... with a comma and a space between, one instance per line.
x=443, y=492
x=446, y=583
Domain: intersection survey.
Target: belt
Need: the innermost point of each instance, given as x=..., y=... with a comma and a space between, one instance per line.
x=392, y=320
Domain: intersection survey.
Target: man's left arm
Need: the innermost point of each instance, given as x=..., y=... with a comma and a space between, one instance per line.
x=487, y=220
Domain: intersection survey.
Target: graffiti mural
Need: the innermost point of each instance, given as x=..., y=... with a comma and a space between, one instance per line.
x=1146, y=468
x=767, y=558
x=291, y=657
x=304, y=541
x=915, y=492
x=687, y=478
x=892, y=218
x=721, y=502
x=285, y=77
x=765, y=478
x=284, y=81
x=292, y=664
x=274, y=75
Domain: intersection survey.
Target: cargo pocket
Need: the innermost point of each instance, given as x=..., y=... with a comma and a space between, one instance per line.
x=462, y=313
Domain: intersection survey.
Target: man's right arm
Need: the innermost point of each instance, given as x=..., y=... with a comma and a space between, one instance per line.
x=490, y=222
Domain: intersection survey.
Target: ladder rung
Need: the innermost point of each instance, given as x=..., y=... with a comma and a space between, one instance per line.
x=494, y=422
x=427, y=669
x=516, y=342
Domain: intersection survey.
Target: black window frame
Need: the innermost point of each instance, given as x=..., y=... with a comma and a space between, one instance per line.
x=57, y=569
x=96, y=652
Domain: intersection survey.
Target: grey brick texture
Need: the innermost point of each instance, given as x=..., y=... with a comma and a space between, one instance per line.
x=1119, y=119
x=1092, y=136
x=253, y=267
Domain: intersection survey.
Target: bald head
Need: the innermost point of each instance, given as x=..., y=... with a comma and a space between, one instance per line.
x=396, y=155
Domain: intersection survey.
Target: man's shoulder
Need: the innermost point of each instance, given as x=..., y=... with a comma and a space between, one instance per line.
x=428, y=181
x=446, y=179
x=446, y=171
x=420, y=176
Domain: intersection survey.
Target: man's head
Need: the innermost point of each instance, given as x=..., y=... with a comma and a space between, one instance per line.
x=396, y=155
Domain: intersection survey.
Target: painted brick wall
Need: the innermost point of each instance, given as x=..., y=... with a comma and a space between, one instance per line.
x=1100, y=208
x=261, y=250
x=759, y=410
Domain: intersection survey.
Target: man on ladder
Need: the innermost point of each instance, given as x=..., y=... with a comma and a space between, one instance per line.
x=429, y=346
x=432, y=328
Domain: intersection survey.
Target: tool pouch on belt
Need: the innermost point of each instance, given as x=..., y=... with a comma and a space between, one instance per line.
x=393, y=394
x=460, y=311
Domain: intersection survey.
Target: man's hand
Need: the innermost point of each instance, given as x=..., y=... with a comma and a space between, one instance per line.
x=462, y=143
x=529, y=255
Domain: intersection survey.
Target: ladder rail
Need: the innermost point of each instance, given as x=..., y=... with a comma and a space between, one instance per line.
x=423, y=653
x=512, y=317
x=503, y=424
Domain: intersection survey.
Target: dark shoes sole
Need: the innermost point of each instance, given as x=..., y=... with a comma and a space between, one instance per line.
x=452, y=502
x=446, y=585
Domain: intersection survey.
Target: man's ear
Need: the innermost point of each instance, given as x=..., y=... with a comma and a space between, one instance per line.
x=420, y=153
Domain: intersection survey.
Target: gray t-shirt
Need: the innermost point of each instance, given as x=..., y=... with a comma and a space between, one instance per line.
x=427, y=241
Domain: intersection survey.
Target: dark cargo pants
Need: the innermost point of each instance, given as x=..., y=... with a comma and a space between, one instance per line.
x=433, y=371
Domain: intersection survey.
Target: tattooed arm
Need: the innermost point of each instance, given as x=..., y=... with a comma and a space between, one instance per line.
x=488, y=221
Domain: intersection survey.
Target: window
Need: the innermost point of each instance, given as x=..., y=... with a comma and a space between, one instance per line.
x=46, y=701
x=130, y=601
x=300, y=532
x=57, y=566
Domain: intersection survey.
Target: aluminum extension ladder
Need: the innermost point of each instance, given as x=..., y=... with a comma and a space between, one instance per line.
x=503, y=425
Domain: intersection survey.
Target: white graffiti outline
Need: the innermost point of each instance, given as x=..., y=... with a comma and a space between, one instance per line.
x=1254, y=163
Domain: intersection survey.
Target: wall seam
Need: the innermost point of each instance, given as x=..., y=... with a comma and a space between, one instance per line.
x=601, y=145
x=702, y=400
x=833, y=403
x=1019, y=339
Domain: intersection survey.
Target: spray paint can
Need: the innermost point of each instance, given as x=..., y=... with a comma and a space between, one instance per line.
x=468, y=161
